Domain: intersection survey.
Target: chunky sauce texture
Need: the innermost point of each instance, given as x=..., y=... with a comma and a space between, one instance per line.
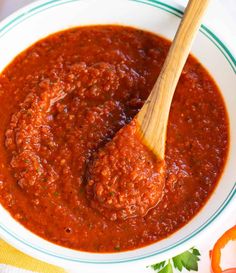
x=125, y=179
x=65, y=98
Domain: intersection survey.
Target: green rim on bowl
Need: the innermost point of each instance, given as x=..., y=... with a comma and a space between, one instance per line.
x=205, y=31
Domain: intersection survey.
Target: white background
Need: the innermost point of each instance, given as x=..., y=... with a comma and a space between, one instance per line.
x=222, y=13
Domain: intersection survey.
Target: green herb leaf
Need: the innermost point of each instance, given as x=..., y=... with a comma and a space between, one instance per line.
x=177, y=263
x=167, y=269
x=196, y=252
x=158, y=265
x=188, y=260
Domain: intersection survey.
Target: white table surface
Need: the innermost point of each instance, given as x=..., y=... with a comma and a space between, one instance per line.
x=221, y=13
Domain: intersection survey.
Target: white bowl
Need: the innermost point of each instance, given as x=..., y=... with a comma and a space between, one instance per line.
x=45, y=17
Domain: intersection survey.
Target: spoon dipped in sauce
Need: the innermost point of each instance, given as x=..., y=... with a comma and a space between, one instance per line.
x=127, y=176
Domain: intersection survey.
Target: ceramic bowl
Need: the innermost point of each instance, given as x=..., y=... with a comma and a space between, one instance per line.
x=42, y=18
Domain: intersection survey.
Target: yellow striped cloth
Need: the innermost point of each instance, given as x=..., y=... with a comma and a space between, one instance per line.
x=12, y=260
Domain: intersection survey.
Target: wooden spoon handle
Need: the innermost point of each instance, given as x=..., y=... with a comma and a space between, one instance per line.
x=153, y=117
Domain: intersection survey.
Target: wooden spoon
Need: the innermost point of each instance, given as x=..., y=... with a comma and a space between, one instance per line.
x=153, y=117
x=121, y=190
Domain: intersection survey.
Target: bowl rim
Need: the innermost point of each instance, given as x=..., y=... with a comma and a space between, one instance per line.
x=41, y=5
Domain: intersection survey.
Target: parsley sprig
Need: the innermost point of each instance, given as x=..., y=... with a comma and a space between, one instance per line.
x=188, y=260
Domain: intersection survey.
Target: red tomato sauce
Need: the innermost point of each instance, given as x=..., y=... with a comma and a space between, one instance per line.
x=67, y=96
x=125, y=179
